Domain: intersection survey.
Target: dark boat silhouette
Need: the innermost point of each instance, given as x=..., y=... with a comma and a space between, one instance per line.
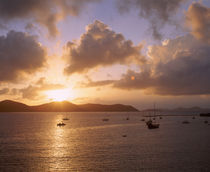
x=105, y=119
x=65, y=119
x=151, y=125
x=205, y=114
x=185, y=122
x=61, y=124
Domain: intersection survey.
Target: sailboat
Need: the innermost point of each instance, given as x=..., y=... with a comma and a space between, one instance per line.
x=65, y=118
x=151, y=124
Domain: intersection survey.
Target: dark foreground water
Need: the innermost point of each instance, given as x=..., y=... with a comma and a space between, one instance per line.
x=33, y=142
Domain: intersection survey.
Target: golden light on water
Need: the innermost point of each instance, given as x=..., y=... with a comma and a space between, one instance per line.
x=58, y=145
x=60, y=95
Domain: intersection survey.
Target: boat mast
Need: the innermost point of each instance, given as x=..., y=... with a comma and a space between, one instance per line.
x=154, y=110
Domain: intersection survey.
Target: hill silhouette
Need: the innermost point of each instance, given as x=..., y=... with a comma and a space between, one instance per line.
x=64, y=106
x=12, y=106
x=105, y=108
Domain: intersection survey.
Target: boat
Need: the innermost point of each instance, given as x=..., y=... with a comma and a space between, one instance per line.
x=127, y=118
x=185, y=122
x=65, y=119
x=105, y=119
x=205, y=114
x=152, y=124
x=143, y=119
x=61, y=124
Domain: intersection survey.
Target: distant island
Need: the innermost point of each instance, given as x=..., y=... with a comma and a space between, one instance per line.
x=64, y=106
x=180, y=109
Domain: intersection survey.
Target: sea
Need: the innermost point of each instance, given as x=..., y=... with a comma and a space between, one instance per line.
x=122, y=142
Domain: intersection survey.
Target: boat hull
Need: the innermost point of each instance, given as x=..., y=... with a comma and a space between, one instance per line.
x=153, y=126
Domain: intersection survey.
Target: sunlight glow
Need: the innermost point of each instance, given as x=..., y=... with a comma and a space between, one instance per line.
x=59, y=95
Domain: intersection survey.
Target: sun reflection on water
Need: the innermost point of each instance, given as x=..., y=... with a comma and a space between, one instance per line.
x=59, y=146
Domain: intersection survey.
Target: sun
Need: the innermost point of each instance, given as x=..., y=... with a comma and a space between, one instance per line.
x=58, y=95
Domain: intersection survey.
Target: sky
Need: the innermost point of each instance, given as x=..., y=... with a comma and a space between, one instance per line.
x=133, y=52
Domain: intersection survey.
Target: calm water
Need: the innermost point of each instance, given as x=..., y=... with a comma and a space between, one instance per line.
x=33, y=142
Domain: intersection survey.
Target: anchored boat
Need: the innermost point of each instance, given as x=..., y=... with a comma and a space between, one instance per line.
x=152, y=124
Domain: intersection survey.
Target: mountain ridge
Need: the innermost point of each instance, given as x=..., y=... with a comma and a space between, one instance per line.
x=64, y=106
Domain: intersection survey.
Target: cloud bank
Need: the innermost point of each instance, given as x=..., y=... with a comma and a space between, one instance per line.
x=158, y=12
x=20, y=54
x=44, y=12
x=33, y=91
x=4, y=91
x=100, y=46
x=181, y=67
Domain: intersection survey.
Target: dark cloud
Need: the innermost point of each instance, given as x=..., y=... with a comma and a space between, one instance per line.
x=30, y=92
x=19, y=54
x=30, y=27
x=3, y=26
x=134, y=80
x=45, y=12
x=4, y=91
x=181, y=67
x=198, y=17
x=100, y=46
x=158, y=12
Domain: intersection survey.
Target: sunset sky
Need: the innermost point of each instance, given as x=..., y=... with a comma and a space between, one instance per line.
x=106, y=51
